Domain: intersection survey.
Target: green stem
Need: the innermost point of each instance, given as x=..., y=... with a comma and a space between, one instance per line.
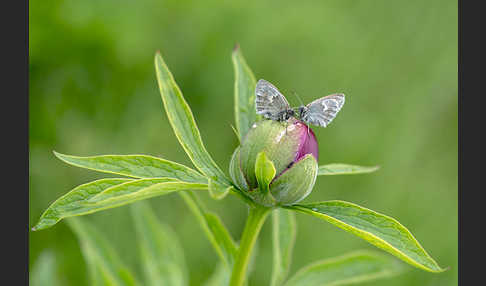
x=254, y=223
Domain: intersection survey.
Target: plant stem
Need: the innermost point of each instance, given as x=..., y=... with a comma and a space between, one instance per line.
x=253, y=225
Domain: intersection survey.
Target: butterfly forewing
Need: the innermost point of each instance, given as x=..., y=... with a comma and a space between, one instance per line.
x=322, y=111
x=269, y=101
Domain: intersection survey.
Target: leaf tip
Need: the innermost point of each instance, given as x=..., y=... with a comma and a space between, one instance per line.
x=445, y=269
x=438, y=269
x=236, y=47
x=36, y=227
x=58, y=155
x=158, y=57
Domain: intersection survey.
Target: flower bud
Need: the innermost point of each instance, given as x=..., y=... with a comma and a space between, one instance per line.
x=292, y=148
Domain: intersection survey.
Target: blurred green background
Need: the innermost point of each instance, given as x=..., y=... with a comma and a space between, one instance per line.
x=93, y=91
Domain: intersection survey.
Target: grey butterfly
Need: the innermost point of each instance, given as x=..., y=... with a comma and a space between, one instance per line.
x=272, y=105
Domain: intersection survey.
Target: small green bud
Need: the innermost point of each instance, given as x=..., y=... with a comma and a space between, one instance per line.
x=286, y=151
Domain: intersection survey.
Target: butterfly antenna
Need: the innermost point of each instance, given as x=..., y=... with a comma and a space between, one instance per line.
x=298, y=97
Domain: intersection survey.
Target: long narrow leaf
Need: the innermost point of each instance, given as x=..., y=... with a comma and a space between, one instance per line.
x=380, y=230
x=100, y=195
x=135, y=191
x=214, y=229
x=104, y=265
x=43, y=272
x=162, y=256
x=345, y=169
x=245, y=113
x=134, y=187
x=220, y=276
x=183, y=123
x=283, y=235
x=136, y=166
x=356, y=267
x=74, y=202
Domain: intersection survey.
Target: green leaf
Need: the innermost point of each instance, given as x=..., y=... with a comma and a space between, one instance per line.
x=237, y=134
x=220, y=276
x=344, y=169
x=221, y=235
x=43, y=272
x=214, y=229
x=74, y=202
x=283, y=235
x=380, y=230
x=245, y=112
x=218, y=191
x=138, y=190
x=137, y=166
x=183, y=123
x=104, y=265
x=134, y=187
x=109, y=193
x=264, y=172
x=162, y=256
x=356, y=267
x=235, y=171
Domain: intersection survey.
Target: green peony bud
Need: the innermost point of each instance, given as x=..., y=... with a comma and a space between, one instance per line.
x=285, y=153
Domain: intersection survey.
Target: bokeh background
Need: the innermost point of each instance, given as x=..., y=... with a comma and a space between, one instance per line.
x=93, y=91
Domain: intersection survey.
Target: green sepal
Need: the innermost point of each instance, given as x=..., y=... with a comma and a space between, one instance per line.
x=296, y=183
x=264, y=172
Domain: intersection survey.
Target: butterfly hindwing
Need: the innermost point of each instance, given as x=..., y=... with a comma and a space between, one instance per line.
x=322, y=111
x=269, y=101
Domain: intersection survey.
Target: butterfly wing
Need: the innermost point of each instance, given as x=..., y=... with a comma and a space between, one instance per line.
x=269, y=101
x=322, y=111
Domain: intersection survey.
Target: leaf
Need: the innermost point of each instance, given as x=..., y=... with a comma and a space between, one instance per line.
x=183, y=123
x=134, y=191
x=128, y=188
x=109, y=193
x=74, y=202
x=162, y=256
x=137, y=166
x=43, y=272
x=283, y=236
x=218, y=191
x=245, y=112
x=220, y=276
x=356, y=267
x=235, y=171
x=380, y=230
x=237, y=134
x=344, y=169
x=221, y=235
x=104, y=265
x=214, y=229
x=264, y=172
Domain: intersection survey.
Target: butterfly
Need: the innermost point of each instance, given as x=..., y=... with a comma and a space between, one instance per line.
x=272, y=105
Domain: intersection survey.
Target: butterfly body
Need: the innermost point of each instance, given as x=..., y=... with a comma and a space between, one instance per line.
x=272, y=105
